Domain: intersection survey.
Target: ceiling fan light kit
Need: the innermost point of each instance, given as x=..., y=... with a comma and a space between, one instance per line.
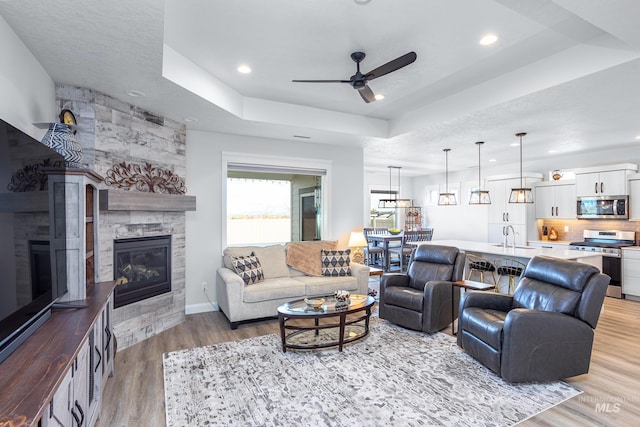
x=479, y=196
x=359, y=81
x=521, y=194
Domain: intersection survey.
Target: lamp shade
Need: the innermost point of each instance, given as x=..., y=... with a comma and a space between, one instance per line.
x=479, y=197
x=521, y=195
x=357, y=240
x=447, y=199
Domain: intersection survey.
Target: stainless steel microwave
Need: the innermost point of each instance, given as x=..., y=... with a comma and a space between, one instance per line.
x=603, y=207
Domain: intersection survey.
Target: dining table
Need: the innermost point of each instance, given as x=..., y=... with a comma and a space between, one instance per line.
x=385, y=239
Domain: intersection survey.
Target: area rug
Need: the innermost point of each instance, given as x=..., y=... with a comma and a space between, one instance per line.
x=393, y=377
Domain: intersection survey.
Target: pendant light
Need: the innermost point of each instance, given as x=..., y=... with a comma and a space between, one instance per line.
x=479, y=196
x=393, y=203
x=521, y=194
x=447, y=199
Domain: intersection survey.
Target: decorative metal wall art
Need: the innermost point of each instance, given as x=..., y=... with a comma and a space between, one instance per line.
x=146, y=178
x=31, y=177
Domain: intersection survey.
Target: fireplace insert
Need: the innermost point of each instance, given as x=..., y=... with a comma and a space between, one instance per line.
x=142, y=268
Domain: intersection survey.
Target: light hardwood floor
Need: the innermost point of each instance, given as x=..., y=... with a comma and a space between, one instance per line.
x=135, y=395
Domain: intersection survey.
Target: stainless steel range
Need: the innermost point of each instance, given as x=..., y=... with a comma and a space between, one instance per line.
x=609, y=243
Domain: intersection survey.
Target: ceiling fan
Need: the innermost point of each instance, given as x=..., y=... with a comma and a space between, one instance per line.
x=359, y=81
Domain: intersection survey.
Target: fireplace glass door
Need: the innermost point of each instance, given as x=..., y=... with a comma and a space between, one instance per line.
x=142, y=268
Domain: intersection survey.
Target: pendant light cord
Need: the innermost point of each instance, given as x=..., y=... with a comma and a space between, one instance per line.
x=520, y=135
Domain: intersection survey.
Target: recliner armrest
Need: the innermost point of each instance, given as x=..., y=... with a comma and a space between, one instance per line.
x=488, y=300
x=394, y=279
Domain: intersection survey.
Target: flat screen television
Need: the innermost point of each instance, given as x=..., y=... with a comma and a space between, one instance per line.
x=28, y=286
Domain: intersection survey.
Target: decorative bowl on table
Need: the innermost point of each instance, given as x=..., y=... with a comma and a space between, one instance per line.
x=395, y=231
x=314, y=302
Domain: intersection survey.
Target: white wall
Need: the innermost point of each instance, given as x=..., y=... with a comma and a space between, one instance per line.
x=204, y=241
x=28, y=93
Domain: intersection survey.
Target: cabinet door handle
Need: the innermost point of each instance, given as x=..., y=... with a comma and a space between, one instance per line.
x=99, y=353
x=507, y=216
x=503, y=220
x=602, y=187
x=108, y=332
x=551, y=210
x=596, y=189
x=81, y=412
x=556, y=211
x=75, y=417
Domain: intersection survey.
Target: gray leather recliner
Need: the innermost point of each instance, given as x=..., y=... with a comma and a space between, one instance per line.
x=421, y=299
x=544, y=331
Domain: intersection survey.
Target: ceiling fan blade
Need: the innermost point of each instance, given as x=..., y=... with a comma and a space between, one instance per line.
x=321, y=81
x=391, y=66
x=367, y=94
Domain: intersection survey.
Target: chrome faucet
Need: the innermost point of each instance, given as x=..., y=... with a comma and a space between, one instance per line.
x=506, y=236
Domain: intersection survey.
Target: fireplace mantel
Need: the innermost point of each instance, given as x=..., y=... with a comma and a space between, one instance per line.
x=123, y=200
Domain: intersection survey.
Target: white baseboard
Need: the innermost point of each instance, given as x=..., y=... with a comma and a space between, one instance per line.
x=201, y=308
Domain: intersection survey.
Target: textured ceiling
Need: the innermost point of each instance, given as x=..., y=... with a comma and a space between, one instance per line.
x=566, y=71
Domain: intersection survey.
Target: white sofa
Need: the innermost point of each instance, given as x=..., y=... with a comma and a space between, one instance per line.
x=282, y=283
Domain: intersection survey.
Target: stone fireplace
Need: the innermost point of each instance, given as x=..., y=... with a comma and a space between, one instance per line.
x=142, y=268
x=112, y=132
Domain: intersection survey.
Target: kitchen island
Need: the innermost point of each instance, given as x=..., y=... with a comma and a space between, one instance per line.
x=493, y=251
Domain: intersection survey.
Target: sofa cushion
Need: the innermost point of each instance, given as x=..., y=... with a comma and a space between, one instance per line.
x=249, y=268
x=320, y=286
x=336, y=263
x=273, y=289
x=305, y=256
x=272, y=258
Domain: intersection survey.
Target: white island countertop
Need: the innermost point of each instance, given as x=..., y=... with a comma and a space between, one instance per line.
x=525, y=252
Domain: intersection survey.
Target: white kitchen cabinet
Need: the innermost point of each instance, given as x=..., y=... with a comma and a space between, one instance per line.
x=609, y=183
x=555, y=200
x=631, y=272
x=502, y=213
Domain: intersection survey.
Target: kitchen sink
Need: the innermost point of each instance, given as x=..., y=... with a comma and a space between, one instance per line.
x=500, y=245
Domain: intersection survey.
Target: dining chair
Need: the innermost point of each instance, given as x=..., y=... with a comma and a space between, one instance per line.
x=405, y=249
x=374, y=253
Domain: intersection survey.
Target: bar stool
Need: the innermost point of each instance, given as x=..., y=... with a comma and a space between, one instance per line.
x=511, y=268
x=479, y=265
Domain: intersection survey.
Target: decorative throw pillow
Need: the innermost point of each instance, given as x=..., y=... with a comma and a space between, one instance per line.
x=336, y=263
x=249, y=268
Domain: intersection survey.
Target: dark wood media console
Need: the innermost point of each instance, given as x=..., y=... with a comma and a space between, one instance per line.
x=34, y=376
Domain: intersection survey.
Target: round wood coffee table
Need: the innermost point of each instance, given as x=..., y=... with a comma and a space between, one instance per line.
x=293, y=325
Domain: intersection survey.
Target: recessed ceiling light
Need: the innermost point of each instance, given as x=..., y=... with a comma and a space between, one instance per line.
x=361, y=1
x=552, y=151
x=244, y=69
x=135, y=93
x=379, y=97
x=514, y=144
x=637, y=136
x=488, y=39
x=190, y=119
x=492, y=160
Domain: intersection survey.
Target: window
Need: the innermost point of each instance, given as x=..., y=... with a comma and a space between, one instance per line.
x=258, y=211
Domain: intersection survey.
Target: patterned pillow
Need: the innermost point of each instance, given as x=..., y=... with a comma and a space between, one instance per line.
x=336, y=263
x=249, y=268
